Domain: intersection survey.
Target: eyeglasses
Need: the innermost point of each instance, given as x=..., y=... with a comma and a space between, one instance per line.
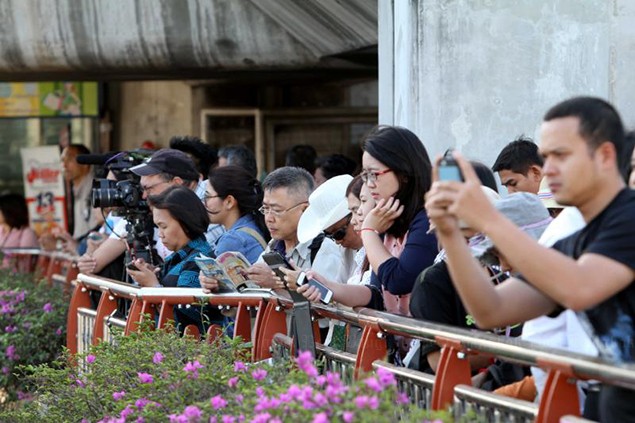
x=371, y=175
x=275, y=213
x=339, y=234
x=149, y=188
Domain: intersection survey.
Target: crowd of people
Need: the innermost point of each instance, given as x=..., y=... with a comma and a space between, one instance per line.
x=550, y=261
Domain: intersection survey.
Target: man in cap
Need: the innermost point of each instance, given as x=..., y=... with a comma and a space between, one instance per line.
x=164, y=168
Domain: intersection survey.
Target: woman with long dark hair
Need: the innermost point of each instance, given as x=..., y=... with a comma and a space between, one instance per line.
x=398, y=173
x=182, y=221
x=232, y=199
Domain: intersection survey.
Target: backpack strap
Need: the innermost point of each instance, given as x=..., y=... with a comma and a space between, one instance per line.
x=315, y=246
x=255, y=235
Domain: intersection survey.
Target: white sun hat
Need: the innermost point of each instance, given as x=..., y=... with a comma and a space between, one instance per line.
x=327, y=205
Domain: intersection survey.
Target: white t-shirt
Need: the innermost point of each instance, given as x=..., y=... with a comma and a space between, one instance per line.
x=563, y=331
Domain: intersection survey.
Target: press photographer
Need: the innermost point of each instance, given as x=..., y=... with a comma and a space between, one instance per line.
x=165, y=168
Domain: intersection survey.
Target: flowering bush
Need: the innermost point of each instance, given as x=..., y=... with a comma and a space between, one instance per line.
x=154, y=376
x=32, y=328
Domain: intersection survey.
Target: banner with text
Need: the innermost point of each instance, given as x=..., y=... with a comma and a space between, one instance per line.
x=44, y=187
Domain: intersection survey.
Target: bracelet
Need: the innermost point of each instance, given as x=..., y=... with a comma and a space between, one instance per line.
x=368, y=229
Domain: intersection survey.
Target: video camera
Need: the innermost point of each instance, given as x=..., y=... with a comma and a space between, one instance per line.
x=125, y=197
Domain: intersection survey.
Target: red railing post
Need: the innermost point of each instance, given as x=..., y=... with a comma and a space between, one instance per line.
x=372, y=346
x=453, y=369
x=242, y=323
x=80, y=299
x=560, y=397
x=268, y=322
x=107, y=304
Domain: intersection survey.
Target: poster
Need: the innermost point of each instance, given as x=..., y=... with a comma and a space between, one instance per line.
x=44, y=187
x=43, y=99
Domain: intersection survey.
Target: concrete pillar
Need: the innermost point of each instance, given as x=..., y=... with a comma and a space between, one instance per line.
x=474, y=74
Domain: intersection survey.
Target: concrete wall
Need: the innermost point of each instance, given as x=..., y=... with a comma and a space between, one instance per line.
x=473, y=74
x=154, y=110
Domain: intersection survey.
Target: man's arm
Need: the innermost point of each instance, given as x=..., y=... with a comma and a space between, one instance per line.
x=491, y=305
x=577, y=285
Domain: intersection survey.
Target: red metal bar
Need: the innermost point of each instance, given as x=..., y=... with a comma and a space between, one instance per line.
x=453, y=369
x=560, y=398
x=80, y=299
x=107, y=304
x=371, y=347
x=270, y=323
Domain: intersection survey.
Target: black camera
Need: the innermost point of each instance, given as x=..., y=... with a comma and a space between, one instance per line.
x=126, y=194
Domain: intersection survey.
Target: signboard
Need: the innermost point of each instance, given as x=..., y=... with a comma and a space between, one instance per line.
x=44, y=188
x=43, y=99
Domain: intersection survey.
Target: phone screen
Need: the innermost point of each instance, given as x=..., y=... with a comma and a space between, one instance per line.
x=325, y=293
x=450, y=173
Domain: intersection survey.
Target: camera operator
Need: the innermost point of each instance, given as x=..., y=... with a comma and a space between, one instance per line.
x=165, y=168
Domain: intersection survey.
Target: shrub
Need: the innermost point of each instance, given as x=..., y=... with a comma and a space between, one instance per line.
x=156, y=376
x=32, y=328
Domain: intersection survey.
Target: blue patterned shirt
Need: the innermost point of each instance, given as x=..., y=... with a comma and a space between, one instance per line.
x=180, y=269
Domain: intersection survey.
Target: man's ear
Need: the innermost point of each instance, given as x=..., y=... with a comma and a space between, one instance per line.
x=606, y=153
x=535, y=172
x=178, y=180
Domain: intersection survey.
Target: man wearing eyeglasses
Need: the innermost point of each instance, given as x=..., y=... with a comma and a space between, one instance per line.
x=165, y=168
x=286, y=196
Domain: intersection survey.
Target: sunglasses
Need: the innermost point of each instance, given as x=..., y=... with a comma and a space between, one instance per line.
x=339, y=234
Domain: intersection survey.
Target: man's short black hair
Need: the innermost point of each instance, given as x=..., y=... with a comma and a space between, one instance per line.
x=599, y=122
x=203, y=154
x=302, y=155
x=336, y=164
x=518, y=156
x=240, y=155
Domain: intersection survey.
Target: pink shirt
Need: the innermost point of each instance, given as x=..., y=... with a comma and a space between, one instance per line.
x=17, y=238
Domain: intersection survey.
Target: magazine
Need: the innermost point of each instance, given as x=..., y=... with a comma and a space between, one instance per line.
x=229, y=269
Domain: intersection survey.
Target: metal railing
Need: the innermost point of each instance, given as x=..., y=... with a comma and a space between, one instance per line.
x=450, y=386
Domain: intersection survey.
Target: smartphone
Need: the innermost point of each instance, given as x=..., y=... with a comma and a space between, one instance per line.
x=131, y=266
x=449, y=169
x=325, y=294
x=275, y=261
x=94, y=236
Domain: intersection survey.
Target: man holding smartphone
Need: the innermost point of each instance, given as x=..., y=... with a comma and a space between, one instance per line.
x=286, y=196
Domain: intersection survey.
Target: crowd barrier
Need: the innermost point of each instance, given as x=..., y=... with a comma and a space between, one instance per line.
x=261, y=320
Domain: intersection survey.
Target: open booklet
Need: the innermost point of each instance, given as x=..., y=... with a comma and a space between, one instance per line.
x=229, y=268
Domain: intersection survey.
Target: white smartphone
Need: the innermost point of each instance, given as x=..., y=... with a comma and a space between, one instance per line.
x=325, y=294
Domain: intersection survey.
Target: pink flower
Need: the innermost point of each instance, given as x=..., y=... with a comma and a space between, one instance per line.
x=261, y=418
x=321, y=418
x=5, y=370
x=218, y=402
x=386, y=377
x=229, y=419
x=126, y=412
x=58, y=332
x=157, y=358
x=320, y=399
x=348, y=416
x=373, y=403
x=145, y=377
x=141, y=403
x=232, y=382
x=192, y=413
x=305, y=363
x=118, y=395
x=48, y=307
x=80, y=383
x=213, y=419
x=259, y=374
x=90, y=359
x=239, y=398
x=10, y=329
x=373, y=384
x=10, y=353
x=361, y=401
x=192, y=369
x=239, y=366
x=402, y=398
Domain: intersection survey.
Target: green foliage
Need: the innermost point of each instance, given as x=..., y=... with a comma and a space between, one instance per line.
x=157, y=376
x=32, y=328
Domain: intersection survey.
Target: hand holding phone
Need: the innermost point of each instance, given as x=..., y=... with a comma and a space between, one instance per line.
x=132, y=266
x=449, y=169
x=275, y=261
x=325, y=294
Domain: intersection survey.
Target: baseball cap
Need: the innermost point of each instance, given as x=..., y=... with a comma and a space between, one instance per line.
x=327, y=205
x=170, y=161
x=525, y=210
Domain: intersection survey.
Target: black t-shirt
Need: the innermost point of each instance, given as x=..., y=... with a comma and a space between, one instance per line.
x=610, y=234
x=435, y=299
